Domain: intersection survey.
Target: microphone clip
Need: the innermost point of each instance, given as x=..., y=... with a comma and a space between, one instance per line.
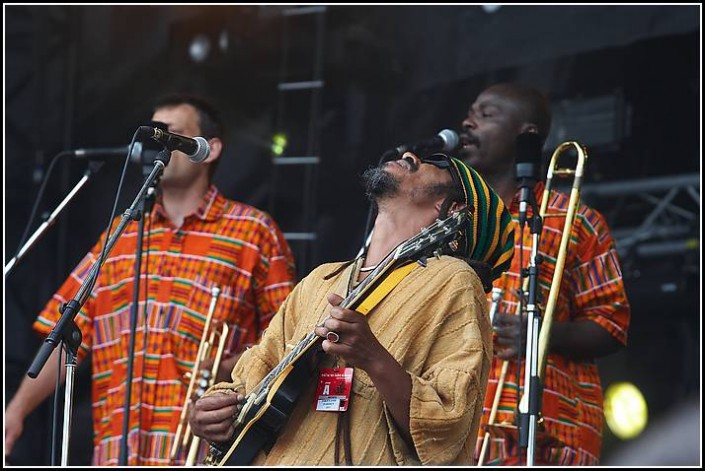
x=526, y=182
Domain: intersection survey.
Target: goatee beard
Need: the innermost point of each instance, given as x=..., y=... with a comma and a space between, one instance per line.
x=379, y=184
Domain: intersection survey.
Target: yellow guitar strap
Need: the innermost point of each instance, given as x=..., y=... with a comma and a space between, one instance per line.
x=382, y=290
x=385, y=288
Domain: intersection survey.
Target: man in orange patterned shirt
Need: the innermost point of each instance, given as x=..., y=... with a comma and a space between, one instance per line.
x=195, y=240
x=592, y=314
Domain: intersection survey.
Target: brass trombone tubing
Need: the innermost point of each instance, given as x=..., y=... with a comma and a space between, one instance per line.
x=183, y=418
x=547, y=322
x=496, y=298
x=502, y=375
x=493, y=412
x=196, y=442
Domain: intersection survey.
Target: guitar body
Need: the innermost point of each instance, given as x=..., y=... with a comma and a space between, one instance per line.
x=263, y=422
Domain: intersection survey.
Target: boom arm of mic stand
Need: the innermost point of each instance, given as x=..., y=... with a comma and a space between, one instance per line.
x=65, y=326
x=93, y=167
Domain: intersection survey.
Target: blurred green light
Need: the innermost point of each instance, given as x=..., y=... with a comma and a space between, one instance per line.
x=279, y=141
x=625, y=410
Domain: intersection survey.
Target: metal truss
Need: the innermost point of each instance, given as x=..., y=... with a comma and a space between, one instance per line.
x=650, y=217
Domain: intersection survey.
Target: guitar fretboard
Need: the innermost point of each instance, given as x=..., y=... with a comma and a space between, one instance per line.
x=312, y=338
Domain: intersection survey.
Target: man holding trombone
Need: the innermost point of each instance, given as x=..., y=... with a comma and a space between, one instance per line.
x=592, y=313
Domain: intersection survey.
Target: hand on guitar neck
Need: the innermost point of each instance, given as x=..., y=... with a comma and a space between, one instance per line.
x=359, y=347
x=356, y=344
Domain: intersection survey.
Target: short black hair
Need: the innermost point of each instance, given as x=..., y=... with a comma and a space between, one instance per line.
x=209, y=120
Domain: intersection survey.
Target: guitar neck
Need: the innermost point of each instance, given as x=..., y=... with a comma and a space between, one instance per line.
x=355, y=297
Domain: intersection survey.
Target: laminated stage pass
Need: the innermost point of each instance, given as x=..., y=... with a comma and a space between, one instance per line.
x=333, y=392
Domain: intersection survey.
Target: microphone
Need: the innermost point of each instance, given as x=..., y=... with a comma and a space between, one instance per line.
x=196, y=149
x=109, y=153
x=528, y=162
x=445, y=141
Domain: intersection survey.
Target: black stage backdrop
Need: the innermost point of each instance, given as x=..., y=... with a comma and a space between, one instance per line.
x=624, y=80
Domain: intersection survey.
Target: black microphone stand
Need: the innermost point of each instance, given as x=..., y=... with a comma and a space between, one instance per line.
x=528, y=413
x=144, y=208
x=65, y=330
x=93, y=167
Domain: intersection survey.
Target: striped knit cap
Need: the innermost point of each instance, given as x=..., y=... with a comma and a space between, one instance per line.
x=489, y=231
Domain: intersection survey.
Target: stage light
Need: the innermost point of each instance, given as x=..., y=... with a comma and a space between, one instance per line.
x=279, y=142
x=491, y=8
x=199, y=48
x=224, y=40
x=626, y=411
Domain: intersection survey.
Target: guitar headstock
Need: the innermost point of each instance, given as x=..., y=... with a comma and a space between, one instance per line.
x=434, y=236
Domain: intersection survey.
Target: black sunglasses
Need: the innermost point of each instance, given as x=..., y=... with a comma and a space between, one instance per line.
x=443, y=161
x=438, y=160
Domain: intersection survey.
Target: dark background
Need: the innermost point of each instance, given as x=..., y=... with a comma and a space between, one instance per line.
x=624, y=81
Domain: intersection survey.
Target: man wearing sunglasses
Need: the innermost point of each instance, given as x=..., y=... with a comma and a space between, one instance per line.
x=420, y=356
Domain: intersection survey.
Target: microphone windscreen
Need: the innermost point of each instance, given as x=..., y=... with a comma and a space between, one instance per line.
x=450, y=140
x=529, y=148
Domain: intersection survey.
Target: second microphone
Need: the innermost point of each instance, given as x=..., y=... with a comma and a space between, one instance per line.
x=445, y=141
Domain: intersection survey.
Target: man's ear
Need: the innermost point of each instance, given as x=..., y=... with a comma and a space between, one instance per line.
x=454, y=206
x=216, y=146
x=529, y=127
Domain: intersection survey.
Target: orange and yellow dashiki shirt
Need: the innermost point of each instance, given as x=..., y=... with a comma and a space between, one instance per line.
x=591, y=288
x=223, y=243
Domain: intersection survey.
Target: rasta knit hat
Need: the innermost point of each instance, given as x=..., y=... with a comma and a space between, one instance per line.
x=488, y=235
